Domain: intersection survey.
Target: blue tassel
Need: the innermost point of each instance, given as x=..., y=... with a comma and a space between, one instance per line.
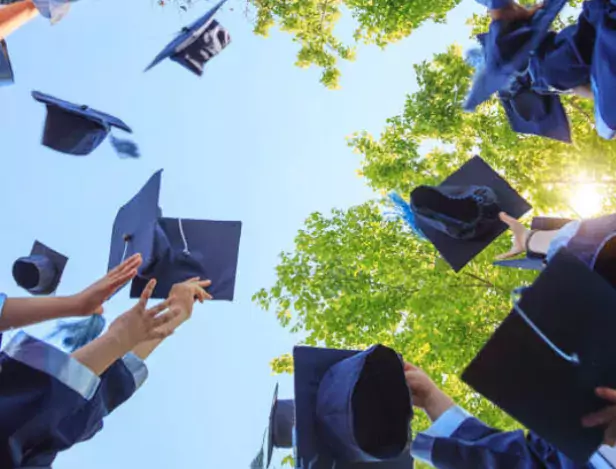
x=125, y=148
x=403, y=210
x=475, y=57
x=79, y=333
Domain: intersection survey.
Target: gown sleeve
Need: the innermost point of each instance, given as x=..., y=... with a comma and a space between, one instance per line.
x=459, y=441
x=39, y=386
x=117, y=385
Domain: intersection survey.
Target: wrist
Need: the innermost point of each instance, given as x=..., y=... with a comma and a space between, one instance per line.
x=119, y=342
x=437, y=404
x=73, y=306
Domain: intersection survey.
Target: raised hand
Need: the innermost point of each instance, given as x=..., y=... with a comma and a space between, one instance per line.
x=514, y=12
x=520, y=236
x=605, y=417
x=90, y=301
x=426, y=394
x=140, y=324
x=183, y=296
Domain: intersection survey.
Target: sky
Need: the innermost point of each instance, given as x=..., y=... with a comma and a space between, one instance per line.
x=255, y=139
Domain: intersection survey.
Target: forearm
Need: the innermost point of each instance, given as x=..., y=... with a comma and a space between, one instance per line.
x=145, y=349
x=437, y=404
x=20, y=312
x=540, y=241
x=101, y=353
x=13, y=16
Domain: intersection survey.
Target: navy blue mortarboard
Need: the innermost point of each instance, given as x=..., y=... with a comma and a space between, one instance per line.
x=508, y=48
x=73, y=129
x=41, y=271
x=531, y=262
x=281, y=423
x=353, y=409
x=6, y=69
x=174, y=249
x=196, y=44
x=460, y=216
x=544, y=362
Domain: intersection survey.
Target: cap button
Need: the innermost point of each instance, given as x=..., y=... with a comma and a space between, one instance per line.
x=84, y=107
x=127, y=237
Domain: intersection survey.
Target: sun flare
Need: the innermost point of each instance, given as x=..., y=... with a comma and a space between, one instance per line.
x=586, y=199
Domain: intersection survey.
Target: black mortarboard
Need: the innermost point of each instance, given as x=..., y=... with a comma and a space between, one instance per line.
x=353, y=409
x=281, y=423
x=73, y=129
x=534, y=262
x=41, y=271
x=460, y=216
x=544, y=362
x=508, y=48
x=196, y=44
x=174, y=249
x=6, y=69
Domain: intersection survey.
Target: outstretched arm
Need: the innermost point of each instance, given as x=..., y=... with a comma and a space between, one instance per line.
x=137, y=325
x=13, y=16
x=181, y=299
x=20, y=312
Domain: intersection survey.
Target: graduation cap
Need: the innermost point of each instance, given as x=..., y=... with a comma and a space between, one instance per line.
x=460, y=216
x=508, y=48
x=531, y=262
x=174, y=249
x=352, y=409
x=6, y=69
x=53, y=10
x=74, y=129
x=41, y=271
x=281, y=423
x=545, y=360
x=196, y=44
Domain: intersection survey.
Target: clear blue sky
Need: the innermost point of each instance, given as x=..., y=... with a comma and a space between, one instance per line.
x=256, y=139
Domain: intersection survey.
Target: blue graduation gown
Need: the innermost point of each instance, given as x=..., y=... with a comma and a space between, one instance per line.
x=117, y=385
x=39, y=386
x=49, y=401
x=460, y=441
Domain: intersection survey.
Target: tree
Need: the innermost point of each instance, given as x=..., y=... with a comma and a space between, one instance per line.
x=356, y=278
x=312, y=24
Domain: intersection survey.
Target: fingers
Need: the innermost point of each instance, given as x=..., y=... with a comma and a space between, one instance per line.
x=164, y=318
x=509, y=220
x=409, y=367
x=607, y=394
x=514, y=252
x=159, y=308
x=131, y=263
x=603, y=417
x=146, y=294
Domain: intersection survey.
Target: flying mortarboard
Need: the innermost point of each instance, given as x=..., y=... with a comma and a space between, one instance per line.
x=196, y=44
x=545, y=360
x=353, y=409
x=174, y=249
x=6, y=70
x=530, y=262
x=41, y=271
x=460, y=216
x=508, y=47
x=76, y=130
x=281, y=423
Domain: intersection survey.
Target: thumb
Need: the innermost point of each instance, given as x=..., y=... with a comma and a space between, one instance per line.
x=99, y=310
x=508, y=255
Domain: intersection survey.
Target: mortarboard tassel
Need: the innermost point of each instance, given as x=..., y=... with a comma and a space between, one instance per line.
x=79, y=333
x=125, y=148
x=403, y=211
x=475, y=57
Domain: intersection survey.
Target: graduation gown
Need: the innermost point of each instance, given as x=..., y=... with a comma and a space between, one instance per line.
x=49, y=401
x=459, y=441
